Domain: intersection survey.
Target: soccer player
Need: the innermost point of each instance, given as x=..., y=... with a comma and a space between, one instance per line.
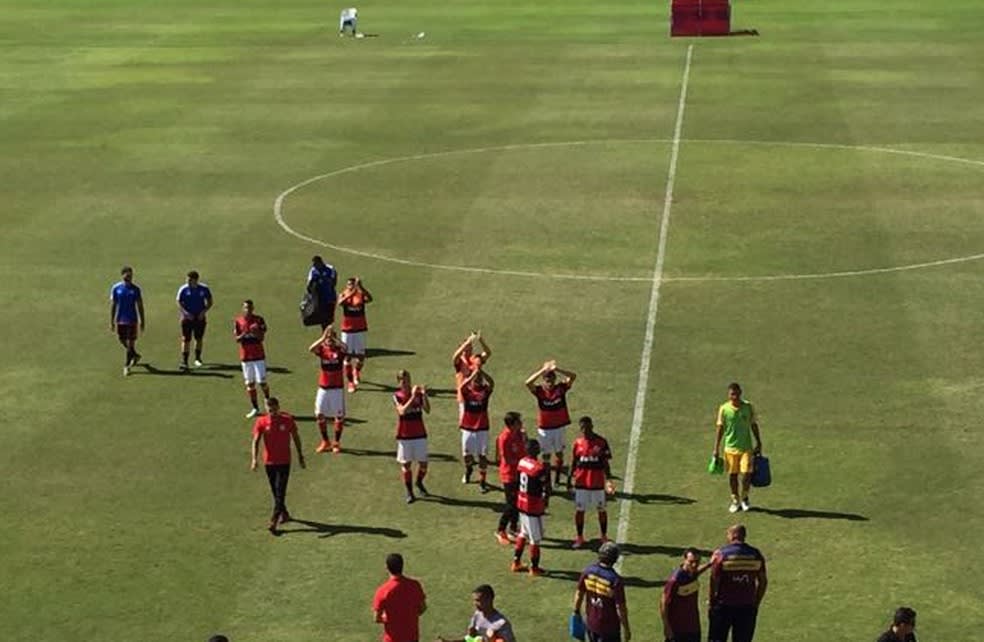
x=738, y=584
x=126, y=311
x=464, y=361
x=398, y=603
x=249, y=330
x=322, y=279
x=486, y=623
x=903, y=627
x=475, y=391
x=737, y=424
x=552, y=415
x=591, y=469
x=276, y=429
x=330, y=400
x=354, y=328
x=411, y=435
x=347, y=20
x=531, y=501
x=510, y=448
x=194, y=300
x=679, y=606
x=604, y=591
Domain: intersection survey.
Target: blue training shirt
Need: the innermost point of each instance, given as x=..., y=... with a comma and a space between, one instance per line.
x=194, y=300
x=325, y=280
x=125, y=296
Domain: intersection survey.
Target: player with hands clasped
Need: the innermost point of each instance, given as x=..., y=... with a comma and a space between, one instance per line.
x=552, y=416
x=411, y=435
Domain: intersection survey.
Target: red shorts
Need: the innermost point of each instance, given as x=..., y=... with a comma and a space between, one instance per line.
x=126, y=331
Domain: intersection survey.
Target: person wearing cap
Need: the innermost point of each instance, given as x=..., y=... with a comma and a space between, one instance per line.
x=737, y=587
x=321, y=281
x=903, y=627
x=602, y=592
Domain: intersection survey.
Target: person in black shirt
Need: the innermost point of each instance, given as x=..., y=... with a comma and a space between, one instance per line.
x=903, y=627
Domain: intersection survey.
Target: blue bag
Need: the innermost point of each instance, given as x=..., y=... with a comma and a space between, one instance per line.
x=576, y=626
x=762, y=472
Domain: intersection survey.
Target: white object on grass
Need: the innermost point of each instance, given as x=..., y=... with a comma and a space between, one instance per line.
x=421, y=34
x=360, y=35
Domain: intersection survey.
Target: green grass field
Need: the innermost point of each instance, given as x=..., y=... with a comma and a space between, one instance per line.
x=160, y=133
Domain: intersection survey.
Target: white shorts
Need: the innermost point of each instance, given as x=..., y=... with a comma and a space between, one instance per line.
x=330, y=402
x=475, y=442
x=531, y=527
x=355, y=342
x=408, y=450
x=551, y=441
x=254, y=371
x=585, y=499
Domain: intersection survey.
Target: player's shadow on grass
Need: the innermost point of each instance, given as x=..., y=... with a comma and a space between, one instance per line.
x=391, y=454
x=574, y=576
x=349, y=421
x=150, y=369
x=464, y=503
x=627, y=548
x=330, y=530
x=387, y=352
x=654, y=498
x=802, y=513
x=228, y=367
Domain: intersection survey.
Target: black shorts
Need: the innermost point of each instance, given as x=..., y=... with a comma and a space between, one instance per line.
x=685, y=637
x=191, y=327
x=126, y=331
x=604, y=637
x=739, y=620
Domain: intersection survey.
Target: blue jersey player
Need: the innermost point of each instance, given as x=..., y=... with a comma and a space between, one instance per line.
x=126, y=312
x=194, y=300
x=322, y=280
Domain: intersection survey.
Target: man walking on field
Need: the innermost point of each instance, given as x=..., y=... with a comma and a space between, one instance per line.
x=736, y=425
x=277, y=430
x=330, y=399
x=126, y=311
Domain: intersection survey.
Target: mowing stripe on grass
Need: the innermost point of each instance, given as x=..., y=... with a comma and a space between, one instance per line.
x=628, y=486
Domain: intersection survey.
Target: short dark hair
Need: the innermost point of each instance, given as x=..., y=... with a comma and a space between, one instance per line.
x=904, y=615
x=125, y=269
x=317, y=260
x=690, y=550
x=218, y=638
x=394, y=563
x=512, y=418
x=531, y=445
x=273, y=401
x=193, y=274
x=734, y=386
x=248, y=301
x=585, y=422
x=485, y=590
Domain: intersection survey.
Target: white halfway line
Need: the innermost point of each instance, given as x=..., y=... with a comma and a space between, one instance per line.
x=628, y=482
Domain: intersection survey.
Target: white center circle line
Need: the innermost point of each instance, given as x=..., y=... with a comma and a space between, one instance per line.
x=278, y=213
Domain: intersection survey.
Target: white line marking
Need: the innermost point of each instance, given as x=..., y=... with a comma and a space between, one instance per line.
x=278, y=207
x=628, y=483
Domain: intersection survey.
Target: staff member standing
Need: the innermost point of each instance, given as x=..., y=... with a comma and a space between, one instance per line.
x=322, y=280
x=736, y=424
x=398, y=604
x=678, y=606
x=607, y=617
x=738, y=584
x=194, y=300
x=276, y=429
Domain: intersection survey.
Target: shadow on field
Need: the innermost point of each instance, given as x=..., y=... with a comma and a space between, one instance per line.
x=377, y=386
x=654, y=498
x=228, y=367
x=349, y=421
x=627, y=548
x=330, y=530
x=574, y=576
x=463, y=503
x=195, y=372
x=386, y=352
x=390, y=454
x=802, y=513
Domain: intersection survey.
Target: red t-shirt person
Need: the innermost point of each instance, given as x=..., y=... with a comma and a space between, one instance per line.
x=511, y=446
x=591, y=456
x=332, y=363
x=277, y=432
x=552, y=406
x=398, y=603
x=251, y=328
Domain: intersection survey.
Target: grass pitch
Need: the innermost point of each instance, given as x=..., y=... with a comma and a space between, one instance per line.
x=159, y=134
